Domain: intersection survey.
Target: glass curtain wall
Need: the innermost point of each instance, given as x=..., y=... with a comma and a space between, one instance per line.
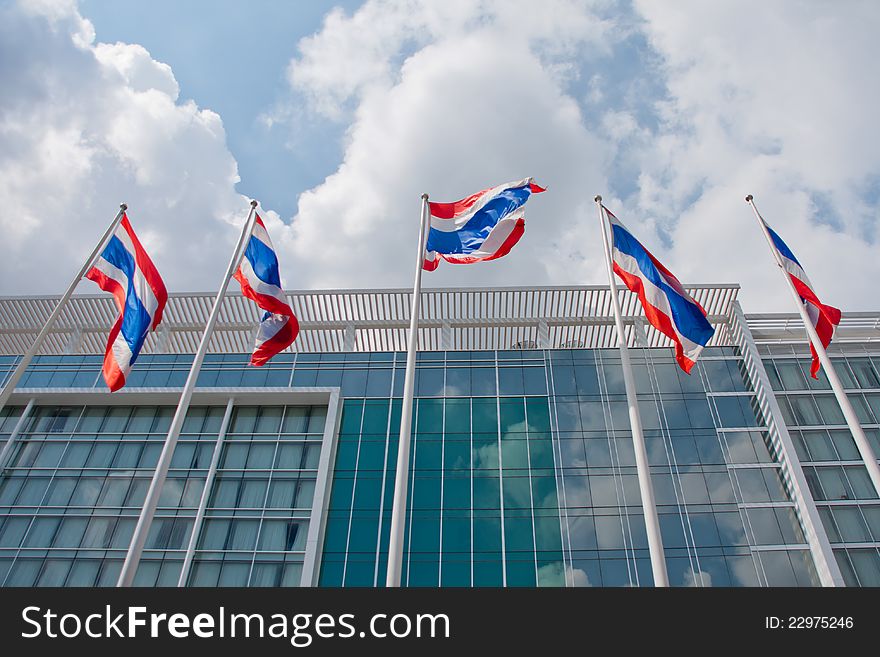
x=834, y=470
x=77, y=478
x=72, y=490
x=523, y=473
x=258, y=511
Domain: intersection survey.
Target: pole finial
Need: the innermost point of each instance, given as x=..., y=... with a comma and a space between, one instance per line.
x=749, y=198
x=123, y=207
x=598, y=199
x=424, y=197
x=253, y=203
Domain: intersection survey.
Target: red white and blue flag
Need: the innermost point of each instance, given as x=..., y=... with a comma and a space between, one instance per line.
x=261, y=283
x=125, y=270
x=484, y=226
x=823, y=317
x=668, y=307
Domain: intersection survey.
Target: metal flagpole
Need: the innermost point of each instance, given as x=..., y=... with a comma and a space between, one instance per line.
x=136, y=547
x=646, y=488
x=852, y=420
x=35, y=346
x=401, y=478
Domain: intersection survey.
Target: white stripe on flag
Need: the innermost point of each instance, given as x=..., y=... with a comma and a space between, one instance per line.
x=262, y=234
x=657, y=298
x=141, y=287
x=795, y=270
x=122, y=354
x=258, y=285
x=456, y=223
x=269, y=328
x=121, y=350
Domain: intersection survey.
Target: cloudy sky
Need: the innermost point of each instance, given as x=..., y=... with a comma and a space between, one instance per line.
x=336, y=116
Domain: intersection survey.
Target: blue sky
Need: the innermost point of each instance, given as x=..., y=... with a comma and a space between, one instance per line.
x=336, y=116
x=231, y=56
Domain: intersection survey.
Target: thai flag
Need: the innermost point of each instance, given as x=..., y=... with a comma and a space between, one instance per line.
x=261, y=283
x=125, y=270
x=670, y=309
x=483, y=226
x=823, y=317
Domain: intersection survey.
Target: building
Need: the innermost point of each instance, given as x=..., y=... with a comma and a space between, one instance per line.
x=523, y=470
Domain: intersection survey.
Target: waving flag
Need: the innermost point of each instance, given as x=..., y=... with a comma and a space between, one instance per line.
x=823, y=317
x=261, y=283
x=484, y=226
x=125, y=270
x=667, y=306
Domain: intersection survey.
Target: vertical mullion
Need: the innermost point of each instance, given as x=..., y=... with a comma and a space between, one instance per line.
x=500, y=476
x=206, y=494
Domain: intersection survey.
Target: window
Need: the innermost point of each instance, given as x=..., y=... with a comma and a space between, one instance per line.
x=791, y=374
x=864, y=372
x=282, y=535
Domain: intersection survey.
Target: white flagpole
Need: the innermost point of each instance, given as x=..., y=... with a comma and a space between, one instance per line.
x=139, y=538
x=35, y=346
x=852, y=420
x=401, y=478
x=646, y=488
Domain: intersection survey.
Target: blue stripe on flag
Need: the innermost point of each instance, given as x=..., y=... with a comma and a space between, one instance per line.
x=470, y=237
x=782, y=247
x=135, y=318
x=264, y=262
x=686, y=315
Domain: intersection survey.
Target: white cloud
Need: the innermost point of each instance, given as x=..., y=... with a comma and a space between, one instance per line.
x=697, y=578
x=479, y=100
x=672, y=112
x=555, y=574
x=91, y=125
x=141, y=72
x=773, y=99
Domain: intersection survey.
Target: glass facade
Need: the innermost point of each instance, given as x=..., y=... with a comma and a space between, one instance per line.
x=258, y=511
x=77, y=477
x=72, y=489
x=522, y=470
x=523, y=474
x=838, y=481
x=484, y=509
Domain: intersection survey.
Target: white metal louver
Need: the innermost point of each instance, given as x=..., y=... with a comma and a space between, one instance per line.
x=452, y=318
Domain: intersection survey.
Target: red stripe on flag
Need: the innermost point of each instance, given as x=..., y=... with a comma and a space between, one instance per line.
x=264, y=301
x=829, y=317
x=110, y=285
x=658, y=319
x=151, y=274
x=113, y=375
x=277, y=343
x=515, y=234
x=670, y=275
x=456, y=208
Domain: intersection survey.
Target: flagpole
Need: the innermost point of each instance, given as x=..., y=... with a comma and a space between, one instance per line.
x=56, y=312
x=401, y=478
x=852, y=420
x=646, y=488
x=139, y=538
